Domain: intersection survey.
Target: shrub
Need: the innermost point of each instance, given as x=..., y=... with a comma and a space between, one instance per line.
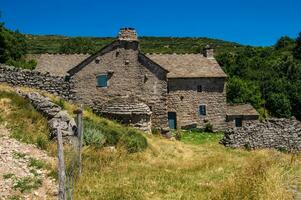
x=94, y=137
x=208, y=127
x=133, y=141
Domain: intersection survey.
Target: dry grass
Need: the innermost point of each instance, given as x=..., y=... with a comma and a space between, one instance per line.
x=173, y=170
x=178, y=170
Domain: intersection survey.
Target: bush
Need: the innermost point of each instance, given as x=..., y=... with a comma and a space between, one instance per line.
x=133, y=141
x=208, y=127
x=103, y=133
x=93, y=134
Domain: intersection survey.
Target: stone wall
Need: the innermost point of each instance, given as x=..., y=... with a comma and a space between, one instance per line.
x=57, y=118
x=58, y=85
x=274, y=133
x=184, y=99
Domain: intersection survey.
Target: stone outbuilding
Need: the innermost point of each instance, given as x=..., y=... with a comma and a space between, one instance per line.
x=137, y=115
x=238, y=114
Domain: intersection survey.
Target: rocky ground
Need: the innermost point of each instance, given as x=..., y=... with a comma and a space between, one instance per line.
x=22, y=170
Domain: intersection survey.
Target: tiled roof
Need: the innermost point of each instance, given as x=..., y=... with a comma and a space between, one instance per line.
x=57, y=64
x=188, y=65
x=241, y=109
x=127, y=109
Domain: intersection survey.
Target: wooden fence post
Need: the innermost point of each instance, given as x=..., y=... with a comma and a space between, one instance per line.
x=79, y=122
x=61, y=166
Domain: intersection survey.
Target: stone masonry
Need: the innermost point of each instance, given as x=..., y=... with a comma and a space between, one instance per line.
x=57, y=118
x=58, y=85
x=283, y=134
x=184, y=99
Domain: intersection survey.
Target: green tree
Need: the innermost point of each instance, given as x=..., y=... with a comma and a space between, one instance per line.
x=240, y=91
x=285, y=42
x=13, y=49
x=297, y=49
x=279, y=104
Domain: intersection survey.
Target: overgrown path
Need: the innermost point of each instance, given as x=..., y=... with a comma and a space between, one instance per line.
x=22, y=170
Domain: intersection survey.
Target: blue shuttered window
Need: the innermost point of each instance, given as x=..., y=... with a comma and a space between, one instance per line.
x=102, y=80
x=202, y=110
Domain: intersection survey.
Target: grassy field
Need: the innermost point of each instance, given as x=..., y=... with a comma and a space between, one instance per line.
x=197, y=167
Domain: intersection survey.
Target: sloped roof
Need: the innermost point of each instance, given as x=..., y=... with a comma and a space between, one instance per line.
x=188, y=65
x=127, y=109
x=57, y=64
x=241, y=109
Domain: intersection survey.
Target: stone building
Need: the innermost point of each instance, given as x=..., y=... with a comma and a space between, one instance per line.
x=180, y=90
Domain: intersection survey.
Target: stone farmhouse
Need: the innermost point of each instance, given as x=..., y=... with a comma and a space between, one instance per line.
x=149, y=90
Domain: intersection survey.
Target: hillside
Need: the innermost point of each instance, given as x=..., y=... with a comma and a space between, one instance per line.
x=57, y=44
x=196, y=167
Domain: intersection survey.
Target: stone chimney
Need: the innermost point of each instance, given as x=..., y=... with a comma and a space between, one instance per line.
x=127, y=34
x=208, y=52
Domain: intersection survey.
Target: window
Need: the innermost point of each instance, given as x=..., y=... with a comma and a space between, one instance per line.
x=238, y=122
x=102, y=80
x=202, y=110
x=200, y=88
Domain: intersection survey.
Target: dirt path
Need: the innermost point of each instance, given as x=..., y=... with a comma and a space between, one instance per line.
x=22, y=170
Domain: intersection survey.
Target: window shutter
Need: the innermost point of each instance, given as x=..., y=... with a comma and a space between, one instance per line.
x=102, y=80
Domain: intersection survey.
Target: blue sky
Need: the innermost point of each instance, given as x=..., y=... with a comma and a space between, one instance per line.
x=252, y=22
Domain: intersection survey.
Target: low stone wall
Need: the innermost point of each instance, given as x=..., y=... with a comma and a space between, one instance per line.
x=57, y=118
x=276, y=133
x=58, y=85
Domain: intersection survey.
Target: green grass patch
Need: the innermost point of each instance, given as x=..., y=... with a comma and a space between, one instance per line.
x=36, y=163
x=24, y=122
x=27, y=184
x=197, y=138
x=19, y=155
x=103, y=133
x=8, y=175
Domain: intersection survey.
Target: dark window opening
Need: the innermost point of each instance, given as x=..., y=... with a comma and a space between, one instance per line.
x=202, y=110
x=200, y=88
x=102, y=80
x=238, y=122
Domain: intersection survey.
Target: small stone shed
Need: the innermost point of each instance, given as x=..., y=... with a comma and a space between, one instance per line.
x=137, y=115
x=237, y=114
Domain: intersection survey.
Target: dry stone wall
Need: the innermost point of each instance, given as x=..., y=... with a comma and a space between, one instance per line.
x=58, y=85
x=284, y=134
x=57, y=118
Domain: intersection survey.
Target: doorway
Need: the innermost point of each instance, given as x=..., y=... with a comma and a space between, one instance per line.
x=172, y=120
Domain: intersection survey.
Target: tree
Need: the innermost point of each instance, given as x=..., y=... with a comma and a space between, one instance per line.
x=284, y=42
x=240, y=91
x=279, y=104
x=13, y=49
x=297, y=49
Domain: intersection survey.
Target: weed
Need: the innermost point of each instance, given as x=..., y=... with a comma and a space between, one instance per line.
x=19, y=155
x=26, y=184
x=36, y=163
x=8, y=176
